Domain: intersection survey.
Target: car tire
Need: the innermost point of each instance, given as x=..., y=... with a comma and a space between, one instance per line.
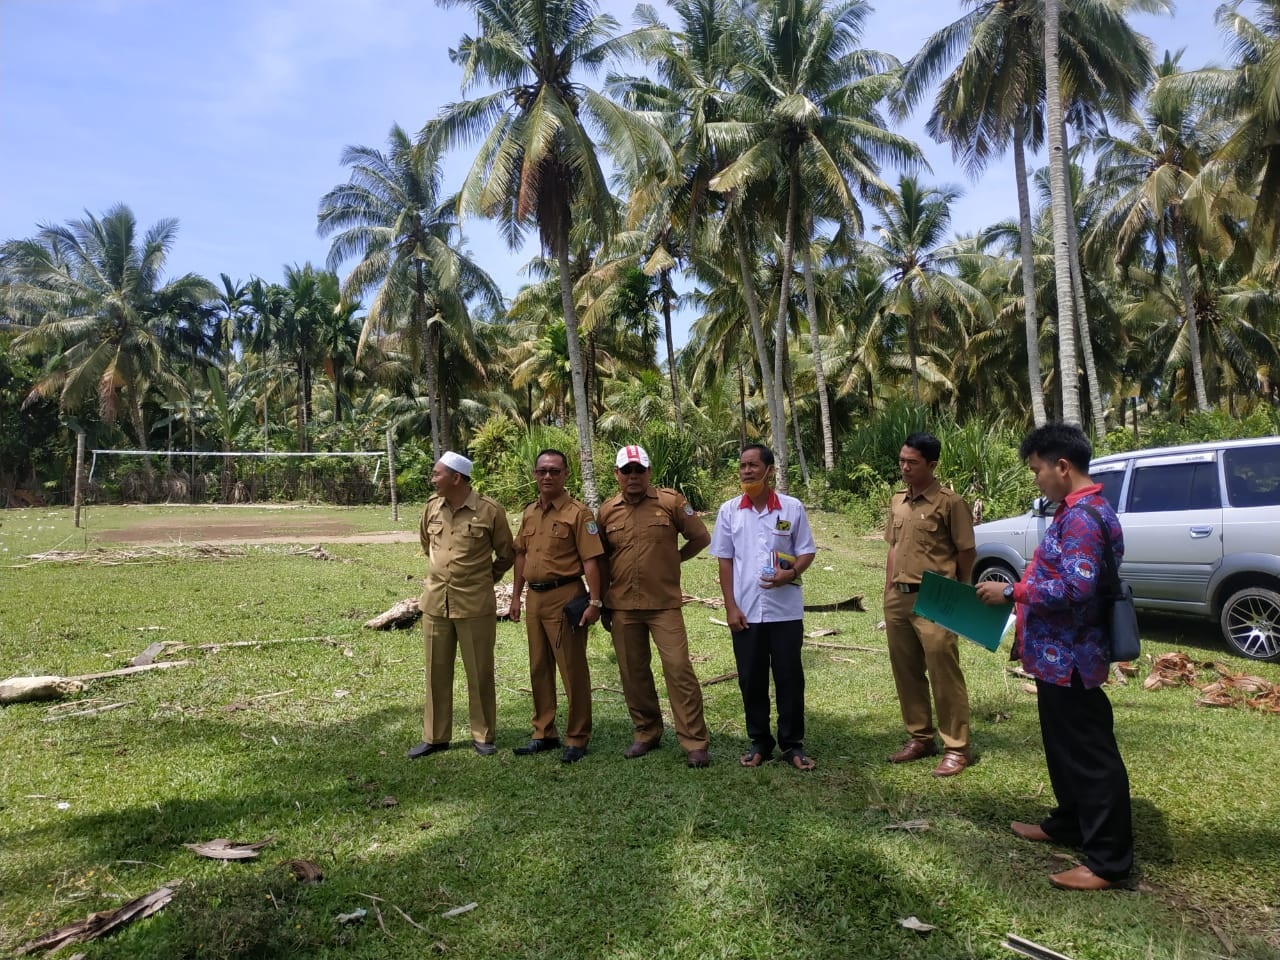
x=999, y=571
x=1250, y=623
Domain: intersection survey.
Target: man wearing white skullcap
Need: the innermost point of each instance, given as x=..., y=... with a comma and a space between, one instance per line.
x=469, y=546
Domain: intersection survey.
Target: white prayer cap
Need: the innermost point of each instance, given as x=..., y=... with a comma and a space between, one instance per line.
x=457, y=463
x=632, y=454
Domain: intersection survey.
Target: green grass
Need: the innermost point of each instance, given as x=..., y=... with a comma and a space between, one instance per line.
x=606, y=858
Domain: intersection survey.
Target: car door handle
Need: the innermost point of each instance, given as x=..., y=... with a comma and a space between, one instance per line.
x=1199, y=533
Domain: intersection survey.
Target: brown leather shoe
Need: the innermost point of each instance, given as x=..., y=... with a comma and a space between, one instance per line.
x=640, y=747
x=1030, y=831
x=1080, y=878
x=698, y=758
x=914, y=749
x=953, y=762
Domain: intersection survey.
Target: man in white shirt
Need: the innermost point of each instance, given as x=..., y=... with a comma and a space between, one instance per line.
x=763, y=543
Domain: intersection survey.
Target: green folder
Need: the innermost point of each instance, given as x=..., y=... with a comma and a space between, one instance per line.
x=956, y=606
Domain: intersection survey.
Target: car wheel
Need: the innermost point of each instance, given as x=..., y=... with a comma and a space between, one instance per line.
x=1251, y=623
x=998, y=571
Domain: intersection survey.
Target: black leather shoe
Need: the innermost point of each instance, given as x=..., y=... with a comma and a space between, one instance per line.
x=484, y=749
x=424, y=748
x=573, y=754
x=537, y=746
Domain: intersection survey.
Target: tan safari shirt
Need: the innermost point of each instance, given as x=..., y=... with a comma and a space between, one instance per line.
x=468, y=550
x=555, y=541
x=642, y=545
x=927, y=531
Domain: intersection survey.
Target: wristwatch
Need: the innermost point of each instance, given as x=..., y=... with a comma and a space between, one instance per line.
x=598, y=604
x=1008, y=593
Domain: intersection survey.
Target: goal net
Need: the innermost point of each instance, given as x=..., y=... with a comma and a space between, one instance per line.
x=242, y=476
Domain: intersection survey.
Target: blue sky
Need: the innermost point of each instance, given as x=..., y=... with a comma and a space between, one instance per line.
x=231, y=115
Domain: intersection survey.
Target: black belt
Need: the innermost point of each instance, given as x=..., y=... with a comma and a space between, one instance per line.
x=907, y=587
x=542, y=586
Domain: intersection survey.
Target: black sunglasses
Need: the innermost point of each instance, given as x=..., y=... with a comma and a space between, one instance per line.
x=548, y=471
x=631, y=468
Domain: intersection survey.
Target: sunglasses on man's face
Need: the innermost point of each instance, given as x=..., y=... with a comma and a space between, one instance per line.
x=548, y=471
x=631, y=468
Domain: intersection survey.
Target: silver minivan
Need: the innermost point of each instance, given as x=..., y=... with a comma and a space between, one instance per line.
x=1201, y=532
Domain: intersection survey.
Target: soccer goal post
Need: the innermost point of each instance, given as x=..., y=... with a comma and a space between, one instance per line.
x=189, y=475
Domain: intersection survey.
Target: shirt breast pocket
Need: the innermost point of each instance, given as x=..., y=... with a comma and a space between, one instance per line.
x=655, y=529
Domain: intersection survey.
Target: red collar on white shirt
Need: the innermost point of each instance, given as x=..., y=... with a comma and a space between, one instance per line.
x=773, y=503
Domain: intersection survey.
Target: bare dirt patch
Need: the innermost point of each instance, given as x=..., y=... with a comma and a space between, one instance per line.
x=250, y=530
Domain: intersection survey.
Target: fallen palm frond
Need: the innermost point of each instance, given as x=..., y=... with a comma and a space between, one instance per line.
x=1227, y=689
x=98, y=924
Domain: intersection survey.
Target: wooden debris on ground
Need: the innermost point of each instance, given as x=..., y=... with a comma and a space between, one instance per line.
x=911, y=826
x=83, y=708
x=824, y=632
x=918, y=925
x=315, y=553
x=116, y=558
x=844, y=646
x=840, y=606
x=355, y=916
x=223, y=849
x=714, y=602
x=99, y=924
x=400, y=615
x=148, y=655
x=31, y=689
x=459, y=911
x=1227, y=689
x=718, y=623
x=720, y=679
x=304, y=871
x=1029, y=948
x=248, y=702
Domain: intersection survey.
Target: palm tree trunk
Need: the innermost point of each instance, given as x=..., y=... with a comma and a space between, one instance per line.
x=1068, y=371
x=429, y=359
x=581, y=404
x=1034, y=376
x=779, y=429
x=1083, y=328
x=824, y=407
x=664, y=284
x=913, y=349
x=757, y=325
x=790, y=386
x=742, y=404
x=1189, y=308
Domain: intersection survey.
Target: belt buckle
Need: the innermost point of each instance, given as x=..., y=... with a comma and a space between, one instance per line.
x=904, y=587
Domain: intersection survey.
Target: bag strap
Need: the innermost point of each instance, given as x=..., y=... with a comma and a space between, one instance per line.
x=1109, y=558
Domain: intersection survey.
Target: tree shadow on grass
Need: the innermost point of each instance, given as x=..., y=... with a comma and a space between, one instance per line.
x=630, y=858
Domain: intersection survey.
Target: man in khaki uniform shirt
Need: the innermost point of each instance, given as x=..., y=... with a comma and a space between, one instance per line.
x=929, y=528
x=640, y=527
x=557, y=544
x=469, y=547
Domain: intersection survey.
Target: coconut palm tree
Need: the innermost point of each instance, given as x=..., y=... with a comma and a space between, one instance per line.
x=100, y=294
x=392, y=216
x=1158, y=196
x=806, y=118
x=922, y=290
x=539, y=163
x=994, y=97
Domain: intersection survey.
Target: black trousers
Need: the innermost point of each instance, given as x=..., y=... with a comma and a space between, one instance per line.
x=1088, y=776
x=760, y=648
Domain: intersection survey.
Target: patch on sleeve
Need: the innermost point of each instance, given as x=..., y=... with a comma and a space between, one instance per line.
x=592, y=528
x=688, y=510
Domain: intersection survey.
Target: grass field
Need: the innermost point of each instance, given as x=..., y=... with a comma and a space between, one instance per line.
x=304, y=742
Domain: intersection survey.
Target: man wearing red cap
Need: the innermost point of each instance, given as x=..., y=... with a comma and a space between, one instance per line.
x=640, y=528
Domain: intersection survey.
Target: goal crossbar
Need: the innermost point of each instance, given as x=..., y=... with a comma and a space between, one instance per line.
x=240, y=453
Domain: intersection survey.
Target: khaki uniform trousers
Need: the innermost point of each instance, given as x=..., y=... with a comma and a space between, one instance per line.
x=554, y=644
x=924, y=654
x=631, y=632
x=442, y=638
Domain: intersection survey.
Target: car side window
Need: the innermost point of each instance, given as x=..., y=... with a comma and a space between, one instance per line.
x=1111, y=484
x=1253, y=476
x=1175, y=486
